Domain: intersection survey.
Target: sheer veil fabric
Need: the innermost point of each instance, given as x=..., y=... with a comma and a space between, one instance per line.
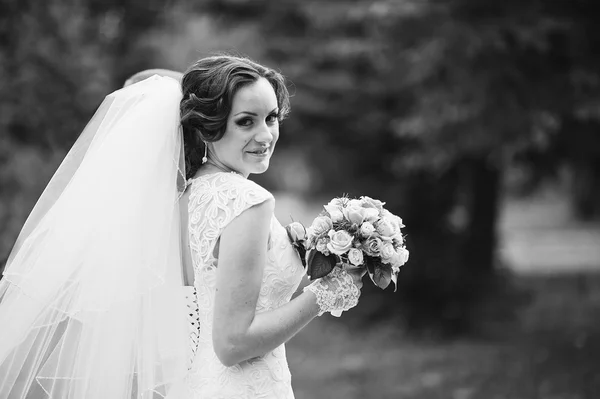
x=91, y=302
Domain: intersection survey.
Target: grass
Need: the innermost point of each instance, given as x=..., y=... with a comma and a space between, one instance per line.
x=551, y=352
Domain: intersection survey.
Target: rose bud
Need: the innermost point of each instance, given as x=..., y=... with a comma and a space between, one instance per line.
x=296, y=231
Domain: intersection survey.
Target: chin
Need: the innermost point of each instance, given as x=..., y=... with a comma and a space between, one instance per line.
x=257, y=169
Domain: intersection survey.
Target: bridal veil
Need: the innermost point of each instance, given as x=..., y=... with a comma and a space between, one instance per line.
x=91, y=302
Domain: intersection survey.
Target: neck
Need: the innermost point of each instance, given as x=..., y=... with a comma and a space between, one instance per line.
x=216, y=166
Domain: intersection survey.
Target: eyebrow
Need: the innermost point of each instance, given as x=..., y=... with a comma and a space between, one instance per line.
x=254, y=114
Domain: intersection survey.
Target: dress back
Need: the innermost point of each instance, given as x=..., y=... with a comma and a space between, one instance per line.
x=215, y=200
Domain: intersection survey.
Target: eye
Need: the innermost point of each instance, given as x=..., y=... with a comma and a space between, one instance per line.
x=273, y=118
x=244, y=122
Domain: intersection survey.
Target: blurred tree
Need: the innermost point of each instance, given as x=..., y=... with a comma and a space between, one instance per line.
x=125, y=22
x=58, y=59
x=576, y=142
x=490, y=80
x=53, y=77
x=419, y=102
x=424, y=103
x=579, y=136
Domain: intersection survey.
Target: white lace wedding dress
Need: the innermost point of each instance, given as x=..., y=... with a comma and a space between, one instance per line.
x=215, y=200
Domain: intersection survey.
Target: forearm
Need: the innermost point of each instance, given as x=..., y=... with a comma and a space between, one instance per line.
x=270, y=329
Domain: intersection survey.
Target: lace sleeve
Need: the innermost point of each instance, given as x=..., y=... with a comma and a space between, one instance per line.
x=247, y=194
x=214, y=202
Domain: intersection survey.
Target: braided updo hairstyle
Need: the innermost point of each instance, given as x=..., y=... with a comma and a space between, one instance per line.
x=208, y=87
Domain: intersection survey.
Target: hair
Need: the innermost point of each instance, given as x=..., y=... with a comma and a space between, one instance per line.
x=209, y=87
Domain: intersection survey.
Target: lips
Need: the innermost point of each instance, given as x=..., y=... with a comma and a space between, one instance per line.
x=259, y=151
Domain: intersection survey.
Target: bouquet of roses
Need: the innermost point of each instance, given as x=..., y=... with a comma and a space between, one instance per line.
x=352, y=233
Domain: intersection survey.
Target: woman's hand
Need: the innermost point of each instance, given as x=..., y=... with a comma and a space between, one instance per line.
x=339, y=290
x=357, y=273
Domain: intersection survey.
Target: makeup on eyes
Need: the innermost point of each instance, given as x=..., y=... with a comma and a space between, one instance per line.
x=274, y=111
x=242, y=121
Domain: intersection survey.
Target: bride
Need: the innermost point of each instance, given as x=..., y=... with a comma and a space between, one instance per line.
x=151, y=265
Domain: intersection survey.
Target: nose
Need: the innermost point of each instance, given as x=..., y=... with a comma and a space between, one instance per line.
x=264, y=135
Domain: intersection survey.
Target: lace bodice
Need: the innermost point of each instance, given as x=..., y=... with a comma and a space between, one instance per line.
x=215, y=200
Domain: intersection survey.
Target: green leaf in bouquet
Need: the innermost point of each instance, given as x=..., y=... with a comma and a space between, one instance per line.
x=395, y=280
x=319, y=265
x=382, y=276
x=298, y=244
x=381, y=273
x=371, y=262
x=302, y=253
x=289, y=233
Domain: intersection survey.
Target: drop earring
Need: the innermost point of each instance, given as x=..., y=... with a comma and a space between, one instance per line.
x=205, y=157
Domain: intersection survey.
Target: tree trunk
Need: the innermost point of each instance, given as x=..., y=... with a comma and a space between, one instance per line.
x=483, y=184
x=585, y=188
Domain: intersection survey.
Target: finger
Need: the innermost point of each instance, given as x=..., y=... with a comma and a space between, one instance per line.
x=357, y=274
x=358, y=282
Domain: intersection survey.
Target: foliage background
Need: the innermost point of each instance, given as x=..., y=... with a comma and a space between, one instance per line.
x=461, y=114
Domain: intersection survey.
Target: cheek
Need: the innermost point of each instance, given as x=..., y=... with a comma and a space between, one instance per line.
x=236, y=140
x=275, y=134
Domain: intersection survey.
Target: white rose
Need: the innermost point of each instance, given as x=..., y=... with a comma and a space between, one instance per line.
x=385, y=227
x=335, y=214
x=372, y=246
x=322, y=246
x=355, y=215
x=400, y=257
x=321, y=225
x=335, y=204
x=367, y=229
x=330, y=208
x=340, y=242
x=395, y=220
x=396, y=223
x=296, y=231
x=398, y=239
x=354, y=203
x=387, y=252
x=386, y=214
x=369, y=202
x=399, y=221
x=404, y=255
x=338, y=202
x=355, y=256
x=371, y=214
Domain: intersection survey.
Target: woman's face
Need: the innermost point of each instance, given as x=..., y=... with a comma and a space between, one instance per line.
x=252, y=130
